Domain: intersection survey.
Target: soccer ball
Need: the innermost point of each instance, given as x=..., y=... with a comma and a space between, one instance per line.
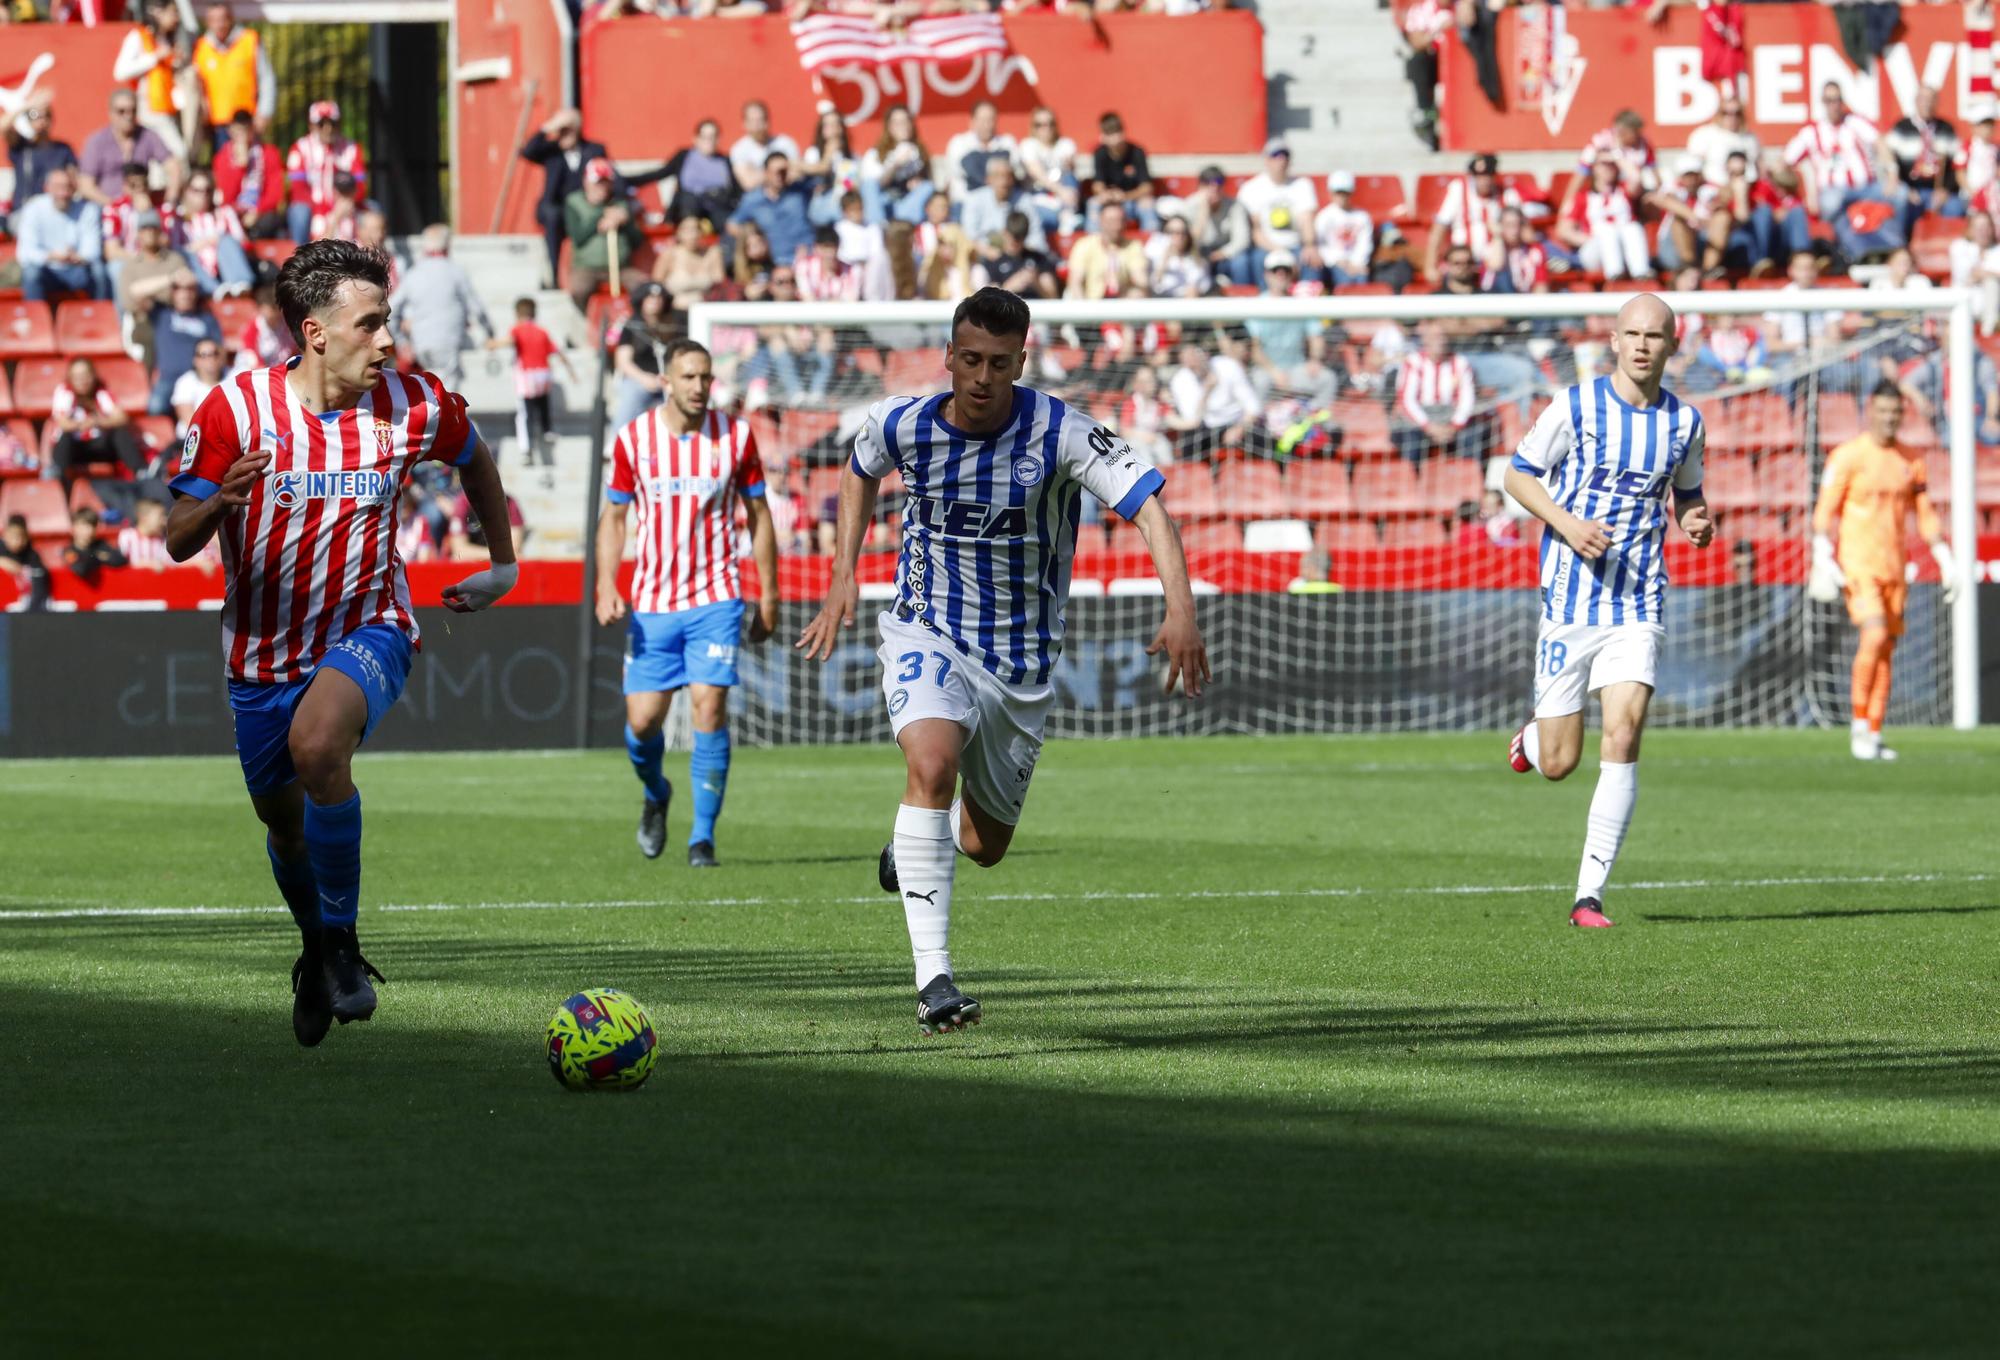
x=601, y=1040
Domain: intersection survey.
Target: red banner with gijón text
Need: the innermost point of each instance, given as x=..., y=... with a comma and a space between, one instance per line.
x=1564, y=80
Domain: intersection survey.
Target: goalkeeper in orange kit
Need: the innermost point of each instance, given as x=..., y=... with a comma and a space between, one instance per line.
x=1871, y=487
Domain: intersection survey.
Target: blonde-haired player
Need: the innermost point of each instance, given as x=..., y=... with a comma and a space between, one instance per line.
x=1871, y=487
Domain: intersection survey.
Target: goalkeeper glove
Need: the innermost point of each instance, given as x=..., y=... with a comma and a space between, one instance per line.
x=1947, y=569
x=482, y=588
x=1824, y=581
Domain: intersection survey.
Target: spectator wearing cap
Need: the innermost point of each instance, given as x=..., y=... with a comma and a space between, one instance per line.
x=1470, y=214
x=750, y=154
x=1425, y=26
x=120, y=143
x=1120, y=174
x=983, y=215
x=236, y=74
x=145, y=274
x=1919, y=167
x=1835, y=155
x=35, y=153
x=59, y=241
x=1221, y=228
x=968, y=153
x=1699, y=230
x=314, y=161
x=594, y=217
x=781, y=208
x=179, y=326
x=1288, y=355
x=434, y=308
x=563, y=152
x=250, y=176
x=1281, y=207
x=1343, y=233
x=1728, y=135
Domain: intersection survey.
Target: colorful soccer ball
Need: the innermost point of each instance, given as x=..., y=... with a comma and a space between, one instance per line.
x=601, y=1040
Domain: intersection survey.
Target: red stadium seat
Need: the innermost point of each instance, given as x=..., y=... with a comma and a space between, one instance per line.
x=1786, y=482
x=1210, y=538
x=35, y=383
x=6, y=394
x=1729, y=482
x=1930, y=243
x=1414, y=533
x=125, y=378
x=276, y=252
x=1318, y=490
x=1364, y=428
x=1346, y=534
x=1387, y=488
x=21, y=432
x=1839, y=419
x=1251, y=491
x=1750, y=424
x=88, y=328
x=1380, y=196
x=155, y=430
x=1443, y=484
x=1190, y=492
x=1431, y=189
x=41, y=502
x=26, y=329
x=913, y=370
x=233, y=314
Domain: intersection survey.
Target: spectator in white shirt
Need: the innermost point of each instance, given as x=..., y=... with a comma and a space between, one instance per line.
x=1975, y=264
x=749, y=152
x=1048, y=165
x=965, y=155
x=1174, y=267
x=1602, y=226
x=1344, y=234
x=1281, y=206
x=1728, y=135
x=1978, y=161
x=1214, y=402
x=196, y=383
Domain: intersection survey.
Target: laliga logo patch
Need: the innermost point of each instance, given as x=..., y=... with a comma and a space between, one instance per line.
x=1028, y=471
x=897, y=701
x=190, y=447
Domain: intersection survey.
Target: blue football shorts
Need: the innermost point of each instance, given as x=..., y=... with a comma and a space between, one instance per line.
x=686, y=647
x=377, y=658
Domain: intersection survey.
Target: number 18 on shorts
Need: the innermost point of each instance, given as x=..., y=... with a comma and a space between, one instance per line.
x=925, y=676
x=1575, y=660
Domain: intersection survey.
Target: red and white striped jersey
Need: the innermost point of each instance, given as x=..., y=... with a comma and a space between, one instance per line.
x=818, y=283
x=1637, y=168
x=63, y=404
x=1429, y=386
x=143, y=550
x=1527, y=268
x=685, y=488
x=1842, y=155
x=1605, y=210
x=119, y=217
x=200, y=234
x=312, y=165
x=313, y=556
x=1474, y=221
x=1978, y=165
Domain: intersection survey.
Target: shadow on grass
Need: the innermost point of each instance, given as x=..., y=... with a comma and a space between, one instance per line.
x=1831, y=914
x=438, y=1178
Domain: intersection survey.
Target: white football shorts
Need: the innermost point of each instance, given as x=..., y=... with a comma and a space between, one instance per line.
x=1574, y=660
x=924, y=676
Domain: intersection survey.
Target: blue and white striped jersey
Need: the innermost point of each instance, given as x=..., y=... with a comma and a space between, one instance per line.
x=1605, y=460
x=989, y=531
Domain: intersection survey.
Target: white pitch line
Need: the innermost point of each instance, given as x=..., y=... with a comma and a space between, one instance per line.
x=79, y=913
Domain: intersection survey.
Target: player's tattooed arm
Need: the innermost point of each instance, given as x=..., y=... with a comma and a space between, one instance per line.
x=192, y=522
x=857, y=508
x=1179, y=636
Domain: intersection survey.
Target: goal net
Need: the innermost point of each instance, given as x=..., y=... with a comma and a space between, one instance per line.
x=1337, y=482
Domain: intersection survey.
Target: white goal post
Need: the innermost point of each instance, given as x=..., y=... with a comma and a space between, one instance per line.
x=1945, y=315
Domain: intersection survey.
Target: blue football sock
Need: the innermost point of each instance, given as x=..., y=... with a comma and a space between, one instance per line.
x=333, y=845
x=295, y=882
x=708, y=767
x=645, y=757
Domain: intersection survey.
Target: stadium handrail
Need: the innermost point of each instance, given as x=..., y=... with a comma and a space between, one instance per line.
x=1956, y=304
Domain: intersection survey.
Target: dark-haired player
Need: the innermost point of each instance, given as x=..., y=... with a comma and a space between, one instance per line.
x=996, y=474
x=298, y=469
x=683, y=466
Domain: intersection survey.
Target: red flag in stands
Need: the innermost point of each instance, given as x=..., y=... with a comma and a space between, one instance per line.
x=834, y=40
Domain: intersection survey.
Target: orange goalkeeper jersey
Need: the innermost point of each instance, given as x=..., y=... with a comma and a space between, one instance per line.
x=1871, y=489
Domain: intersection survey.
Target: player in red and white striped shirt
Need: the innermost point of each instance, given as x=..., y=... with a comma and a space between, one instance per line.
x=1835, y=156
x=298, y=469
x=684, y=467
x=314, y=160
x=1435, y=394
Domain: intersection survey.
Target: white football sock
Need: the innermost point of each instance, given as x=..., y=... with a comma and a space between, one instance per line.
x=957, y=824
x=1531, y=742
x=924, y=865
x=1610, y=815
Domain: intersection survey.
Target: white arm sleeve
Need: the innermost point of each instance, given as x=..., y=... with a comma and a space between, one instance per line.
x=1547, y=442
x=1107, y=466
x=871, y=448
x=1687, y=477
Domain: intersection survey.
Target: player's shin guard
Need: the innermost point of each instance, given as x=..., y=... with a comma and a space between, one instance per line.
x=924, y=867
x=708, y=769
x=645, y=756
x=333, y=846
x=301, y=893
x=1610, y=815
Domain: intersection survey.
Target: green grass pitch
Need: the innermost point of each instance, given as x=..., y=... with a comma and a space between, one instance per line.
x=1289, y=1050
